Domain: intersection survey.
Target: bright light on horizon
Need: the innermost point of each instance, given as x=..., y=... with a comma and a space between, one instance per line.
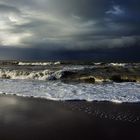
x=12, y=39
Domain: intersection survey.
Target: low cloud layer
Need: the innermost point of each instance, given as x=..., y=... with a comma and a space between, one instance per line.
x=69, y=25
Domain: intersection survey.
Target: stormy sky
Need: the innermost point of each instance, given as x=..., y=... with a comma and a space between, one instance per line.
x=70, y=29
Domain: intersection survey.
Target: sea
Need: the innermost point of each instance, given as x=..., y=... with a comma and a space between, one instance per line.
x=54, y=81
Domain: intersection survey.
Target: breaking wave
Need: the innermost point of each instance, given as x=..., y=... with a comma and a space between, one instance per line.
x=31, y=75
x=47, y=74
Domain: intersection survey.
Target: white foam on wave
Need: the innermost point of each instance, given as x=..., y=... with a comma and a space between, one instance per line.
x=77, y=67
x=32, y=75
x=117, y=64
x=56, y=90
x=40, y=75
x=38, y=63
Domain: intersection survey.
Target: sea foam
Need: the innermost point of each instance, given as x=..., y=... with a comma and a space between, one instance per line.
x=38, y=63
x=56, y=90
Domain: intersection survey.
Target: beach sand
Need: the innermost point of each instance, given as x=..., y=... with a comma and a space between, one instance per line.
x=24, y=118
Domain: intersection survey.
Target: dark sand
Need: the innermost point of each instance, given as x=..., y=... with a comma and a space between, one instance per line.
x=39, y=119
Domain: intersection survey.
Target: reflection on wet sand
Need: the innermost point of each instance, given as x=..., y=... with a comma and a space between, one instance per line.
x=39, y=119
x=124, y=112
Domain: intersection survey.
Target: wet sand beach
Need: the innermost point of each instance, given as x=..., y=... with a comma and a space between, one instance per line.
x=39, y=119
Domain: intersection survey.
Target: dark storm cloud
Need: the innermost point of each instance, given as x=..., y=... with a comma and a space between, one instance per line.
x=7, y=8
x=125, y=54
x=69, y=25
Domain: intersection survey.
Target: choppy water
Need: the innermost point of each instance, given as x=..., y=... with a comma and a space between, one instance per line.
x=43, y=80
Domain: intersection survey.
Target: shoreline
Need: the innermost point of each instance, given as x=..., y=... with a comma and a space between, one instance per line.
x=71, y=100
x=35, y=119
